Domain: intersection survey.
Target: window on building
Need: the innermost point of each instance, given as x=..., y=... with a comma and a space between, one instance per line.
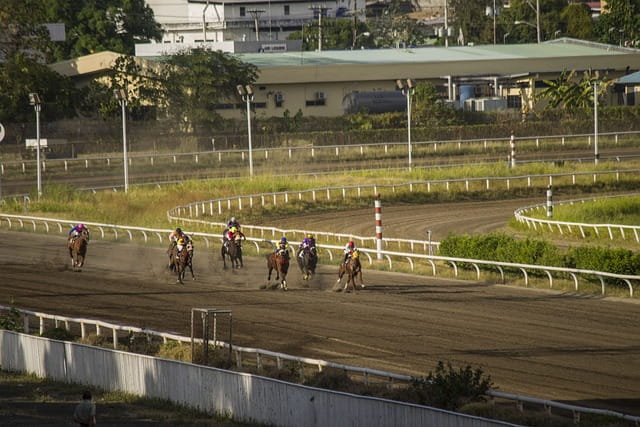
x=286, y=10
x=514, y=101
x=243, y=11
x=319, y=99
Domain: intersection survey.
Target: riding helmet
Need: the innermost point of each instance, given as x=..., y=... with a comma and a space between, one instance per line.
x=283, y=240
x=179, y=230
x=351, y=244
x=80, y=226
x=233, y=219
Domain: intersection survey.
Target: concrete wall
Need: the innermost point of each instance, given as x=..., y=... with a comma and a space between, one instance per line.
x=245, y=397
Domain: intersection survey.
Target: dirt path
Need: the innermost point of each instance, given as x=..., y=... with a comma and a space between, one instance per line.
x=566, y=347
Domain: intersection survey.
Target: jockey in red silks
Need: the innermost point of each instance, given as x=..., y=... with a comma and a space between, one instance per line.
x=348, y=250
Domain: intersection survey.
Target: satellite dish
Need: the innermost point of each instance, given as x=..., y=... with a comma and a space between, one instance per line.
x=2, y=132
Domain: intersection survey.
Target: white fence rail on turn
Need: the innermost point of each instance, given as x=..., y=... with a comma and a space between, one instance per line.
x=279, y=357
x=198, y=212
x=389, y=256
x=245, y=397
x=311, y=151
x=562, y=227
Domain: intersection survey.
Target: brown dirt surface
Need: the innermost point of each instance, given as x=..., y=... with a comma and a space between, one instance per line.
x=567, y=347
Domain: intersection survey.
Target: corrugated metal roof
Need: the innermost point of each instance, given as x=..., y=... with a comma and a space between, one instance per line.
x=561, y=48
x=633, y=78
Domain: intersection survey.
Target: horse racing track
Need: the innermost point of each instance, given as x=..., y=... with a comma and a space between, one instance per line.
x=577, y=349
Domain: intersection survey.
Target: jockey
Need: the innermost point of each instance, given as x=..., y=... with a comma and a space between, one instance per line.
x=283, y=246
x=233, y=222
x=175, y=235
x=307, y=244
x=348, y=250
x=180, y=244
x=77, y=231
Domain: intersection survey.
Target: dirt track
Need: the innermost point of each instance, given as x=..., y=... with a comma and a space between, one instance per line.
x=565, y=347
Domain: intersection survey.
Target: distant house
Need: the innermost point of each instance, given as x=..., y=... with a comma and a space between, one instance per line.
x=627, y=88
x=265, y=21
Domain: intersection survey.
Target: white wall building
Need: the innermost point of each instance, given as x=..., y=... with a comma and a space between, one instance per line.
x=197, y=21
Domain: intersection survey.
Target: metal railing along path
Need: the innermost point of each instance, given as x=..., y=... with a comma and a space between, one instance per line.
x=310, y=151
x=198, y=212
x=86, y=325
x=562, y=227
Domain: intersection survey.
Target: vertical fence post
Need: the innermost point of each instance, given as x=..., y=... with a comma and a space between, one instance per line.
x=549, y=202
x=378, y=216
x=512, y=145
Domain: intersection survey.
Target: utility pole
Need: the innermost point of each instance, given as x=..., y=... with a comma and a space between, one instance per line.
x=446, y=25
x=320, y=10
x=255, y=13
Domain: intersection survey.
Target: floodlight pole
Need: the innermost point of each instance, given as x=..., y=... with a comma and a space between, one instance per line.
x=246, y=93
x=121, y=97
x=34, y=99
x=595, y=122
x=408, y=88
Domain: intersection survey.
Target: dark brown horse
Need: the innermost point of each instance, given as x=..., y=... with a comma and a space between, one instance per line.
x=353, y=269
x=183, y=260
x=78, y=251
x=233, y=250
x=279, y=261
x=307, y=260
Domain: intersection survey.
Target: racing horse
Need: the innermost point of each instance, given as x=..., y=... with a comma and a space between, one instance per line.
x=353, y=269
x=307, y=260
x=233, y=250
x=78, y=251
x=183, y=260
x=279, y=261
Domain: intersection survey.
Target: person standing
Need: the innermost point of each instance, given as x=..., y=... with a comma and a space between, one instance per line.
x=85, y=412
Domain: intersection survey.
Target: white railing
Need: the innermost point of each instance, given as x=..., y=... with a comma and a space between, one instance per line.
x=197, y=212
x=98, y=325
x=289, y=153
x=389, y=256
x=562, y=227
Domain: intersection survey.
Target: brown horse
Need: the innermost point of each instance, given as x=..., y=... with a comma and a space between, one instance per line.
x=279, y=261
x=233, y=250
x=78, y=251
x=353, y=269
x=183, y=260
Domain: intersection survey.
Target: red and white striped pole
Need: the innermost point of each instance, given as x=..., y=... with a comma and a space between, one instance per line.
x=378, y=209
x=512, y=144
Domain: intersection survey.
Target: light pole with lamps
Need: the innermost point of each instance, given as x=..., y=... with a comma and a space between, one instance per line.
x=536, y=9
x=121, y=97
x=34, y=99
x=365, y=34
x=408, y=88
x=595, y=122
x=246, y=93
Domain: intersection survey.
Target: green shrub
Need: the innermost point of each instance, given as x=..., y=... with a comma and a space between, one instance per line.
x=61, y=334
x=448, y=388
x=11, y=321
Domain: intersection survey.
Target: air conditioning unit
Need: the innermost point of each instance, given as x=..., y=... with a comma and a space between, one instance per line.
x=320, y=96
x=279, y=97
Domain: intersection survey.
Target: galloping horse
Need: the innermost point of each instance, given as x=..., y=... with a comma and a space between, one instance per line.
x=78, y=251
x=352, y=269
x=279, y=261
x=307, y=260
x=233, y=249
x=184, y=260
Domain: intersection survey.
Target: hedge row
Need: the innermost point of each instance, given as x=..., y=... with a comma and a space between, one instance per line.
x=505, y=248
